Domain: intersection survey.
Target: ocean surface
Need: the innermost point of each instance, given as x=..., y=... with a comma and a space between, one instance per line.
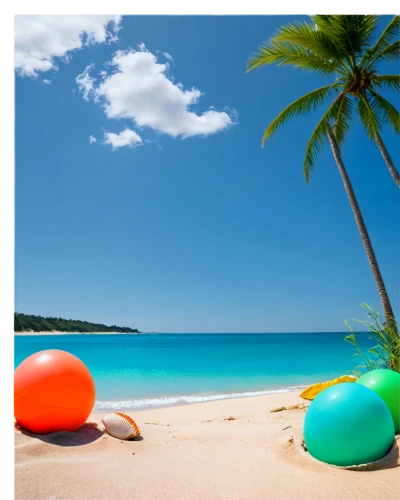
x=141, y=371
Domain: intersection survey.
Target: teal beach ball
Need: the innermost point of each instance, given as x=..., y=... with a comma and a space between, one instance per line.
x=348, y=424
x=386, y=383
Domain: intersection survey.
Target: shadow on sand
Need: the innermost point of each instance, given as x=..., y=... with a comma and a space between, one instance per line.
x=88, y=433
x=389, y=461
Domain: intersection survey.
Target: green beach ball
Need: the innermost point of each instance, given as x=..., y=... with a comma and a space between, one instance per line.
x=348, y=424
x=386, y=383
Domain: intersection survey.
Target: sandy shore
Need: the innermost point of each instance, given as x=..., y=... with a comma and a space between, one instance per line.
x=196, y=452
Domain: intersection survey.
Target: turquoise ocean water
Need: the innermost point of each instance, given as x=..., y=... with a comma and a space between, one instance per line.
x=140, y=371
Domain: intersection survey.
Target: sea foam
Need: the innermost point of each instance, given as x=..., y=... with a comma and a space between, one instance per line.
x=178, y=400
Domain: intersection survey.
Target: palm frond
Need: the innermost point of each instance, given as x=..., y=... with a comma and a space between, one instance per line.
x=390, y=53
x=386, y=110
x=348, y=31
x=369, y=115
x=358, y=30
x=318, y=137
x=301, y=106
x=366, y=28
x=392, y=82
x=391, y=31
x=342, y=119
x=308, y=36
x=282, y=54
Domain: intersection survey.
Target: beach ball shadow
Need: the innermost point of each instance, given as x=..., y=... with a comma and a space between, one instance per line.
x=88, y=433
x=390, y=461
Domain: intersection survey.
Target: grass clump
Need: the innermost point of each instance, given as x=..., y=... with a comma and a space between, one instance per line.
x=385, y=354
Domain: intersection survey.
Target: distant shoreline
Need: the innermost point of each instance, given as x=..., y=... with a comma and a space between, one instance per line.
x=32, y=323
x=31, y=334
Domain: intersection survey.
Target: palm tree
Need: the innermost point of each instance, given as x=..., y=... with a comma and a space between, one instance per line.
x=338, y=45
x=352, y=34
x=343, y=45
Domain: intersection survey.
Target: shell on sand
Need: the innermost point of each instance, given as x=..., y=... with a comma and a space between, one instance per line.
x=120, y=426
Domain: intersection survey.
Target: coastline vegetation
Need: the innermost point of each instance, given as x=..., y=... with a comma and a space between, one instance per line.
x=386, y=353
x=31, y=322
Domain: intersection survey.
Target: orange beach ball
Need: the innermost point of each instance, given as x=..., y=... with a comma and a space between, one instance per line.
x=53, y=391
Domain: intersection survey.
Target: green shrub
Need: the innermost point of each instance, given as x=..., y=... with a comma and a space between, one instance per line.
x=386, y=352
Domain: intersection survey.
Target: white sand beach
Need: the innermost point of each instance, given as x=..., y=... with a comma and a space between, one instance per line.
x=230, y=449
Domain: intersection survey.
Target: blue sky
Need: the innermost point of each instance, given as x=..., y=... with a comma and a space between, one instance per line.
x=198, y=234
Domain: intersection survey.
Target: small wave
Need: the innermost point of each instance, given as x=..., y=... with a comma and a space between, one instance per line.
x=177, y=400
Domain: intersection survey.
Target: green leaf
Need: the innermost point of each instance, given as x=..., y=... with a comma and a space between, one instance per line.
x=318, y=137
x=350, y=33
x=301, y=106
x=392, y=82
x=391, y=31
x=386, y=110
x=275, y=52
x=390, y=53
x=308, y=36
x=342, y=119
x=369, y=117
x=386, y=352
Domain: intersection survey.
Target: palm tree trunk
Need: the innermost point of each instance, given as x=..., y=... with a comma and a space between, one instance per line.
x=387, y=308
x=388, y=160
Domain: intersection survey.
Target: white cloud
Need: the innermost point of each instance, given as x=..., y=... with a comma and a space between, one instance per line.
x=168, y=56
x=40, y=39
x=126, y=138
x=92, y=139
x=85, y=82
x=138, y=89
x=46, y=82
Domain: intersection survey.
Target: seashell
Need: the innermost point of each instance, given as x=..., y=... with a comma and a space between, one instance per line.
x=120, y=426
